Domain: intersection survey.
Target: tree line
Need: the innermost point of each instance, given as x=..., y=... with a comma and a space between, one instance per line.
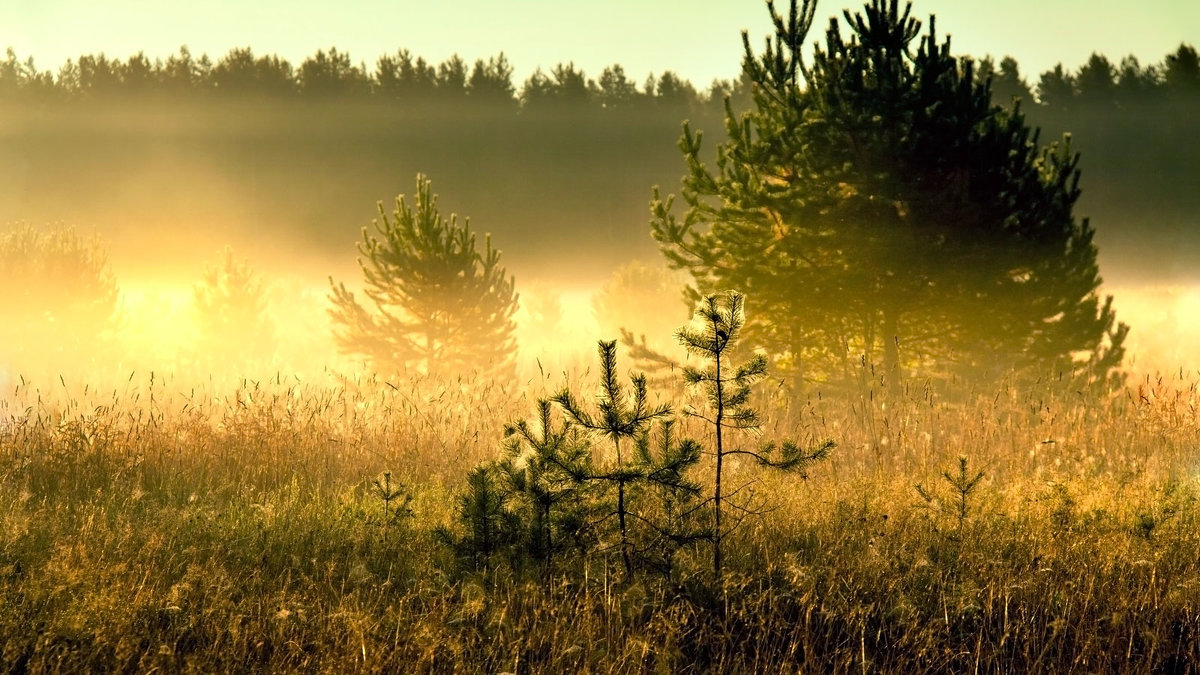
x=410, y=79
x=399, y=77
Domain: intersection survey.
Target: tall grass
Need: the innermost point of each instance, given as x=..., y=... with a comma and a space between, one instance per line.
x=157, y=528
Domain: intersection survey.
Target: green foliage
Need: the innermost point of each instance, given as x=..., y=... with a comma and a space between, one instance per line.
x=488, y=525
x=554, y=497
x=545, y=469
x=620, y=416
x=720, y=320
x=394, y=496
x=963, y=485
x=882, y=210
x=435, y=303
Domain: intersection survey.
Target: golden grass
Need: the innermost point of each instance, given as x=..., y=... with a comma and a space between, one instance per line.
x=147, y=529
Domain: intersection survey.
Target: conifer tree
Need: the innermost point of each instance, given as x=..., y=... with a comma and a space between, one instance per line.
x=620, y=416
x=545, y=467
x=720, y=320
x=882, y=210
x=231, y=309
x=60, y=302
x=488, y=523
x=434, y=301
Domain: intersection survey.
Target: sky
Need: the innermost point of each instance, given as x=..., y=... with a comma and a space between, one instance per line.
x=698, y=39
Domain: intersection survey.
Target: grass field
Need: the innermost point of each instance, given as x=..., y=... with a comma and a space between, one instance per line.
x=145, y=529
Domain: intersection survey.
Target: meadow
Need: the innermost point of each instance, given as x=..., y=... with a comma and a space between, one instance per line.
x=283, y=526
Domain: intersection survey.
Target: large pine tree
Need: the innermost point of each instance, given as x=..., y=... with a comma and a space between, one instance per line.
x=436, y=304
x=880, y=211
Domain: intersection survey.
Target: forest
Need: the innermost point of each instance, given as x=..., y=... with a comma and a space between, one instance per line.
x=821, y=369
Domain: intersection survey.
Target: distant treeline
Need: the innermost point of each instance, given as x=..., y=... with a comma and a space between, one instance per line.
x=398, y=78
x=564, y=161
x=407, y=79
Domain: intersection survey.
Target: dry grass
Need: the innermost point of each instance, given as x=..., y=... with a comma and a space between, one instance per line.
x=147, y=529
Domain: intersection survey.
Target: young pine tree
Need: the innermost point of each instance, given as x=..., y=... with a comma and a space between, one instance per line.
x=436, y=303
x=620, y=416
x=545, y=469
x=720, y=319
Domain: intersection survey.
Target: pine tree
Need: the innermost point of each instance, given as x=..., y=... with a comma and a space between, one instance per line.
x=545, y=467
x=720, y=320
x=60, y=301
x=883, y=211
x=436, y=303
x=231, y=310
x=620, y=416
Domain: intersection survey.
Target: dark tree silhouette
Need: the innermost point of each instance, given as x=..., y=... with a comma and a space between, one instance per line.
x=491, y=81
x=887, y=213
x=435, y=303
x=1182, y=71
x=1097, y=81
x=332, y=74
x=1007, y=82
x=240, y=73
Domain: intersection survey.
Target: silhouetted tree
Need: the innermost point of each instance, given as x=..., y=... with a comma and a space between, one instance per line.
x=1182, y=71
x=889, y=209
x=59, y=300
x=138, y=75
x=239, y=72
x=1007, y=83
x=614, y=90
x=22, y=80
x=434, y=301
x=491, y=81
x=1056, y=88
x=231, y=311
x=452, y=77
x=675, y=93
x=566, y=86
x=99, y=76
x=332, y=74
x=1096, y=81
x=1135, y=84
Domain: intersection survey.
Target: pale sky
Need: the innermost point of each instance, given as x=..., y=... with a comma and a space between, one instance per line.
x=698, y=39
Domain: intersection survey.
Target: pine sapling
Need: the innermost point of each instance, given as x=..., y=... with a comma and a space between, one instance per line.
x=484, y=515
x=619, y=416
x=963, y=485
x=665, y=462
x=545, y=468
x=716, y=328
x=395, y=498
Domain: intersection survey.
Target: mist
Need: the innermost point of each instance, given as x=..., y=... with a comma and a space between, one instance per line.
x=170, y=180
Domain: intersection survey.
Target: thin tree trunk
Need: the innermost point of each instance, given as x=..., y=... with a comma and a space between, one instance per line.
x=717, y=488
x=625, y=558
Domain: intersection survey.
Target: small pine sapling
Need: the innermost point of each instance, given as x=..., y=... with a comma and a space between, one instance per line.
x=715, y=331
x=490, y=526
x=396, y=500
x=963, y=485
x=664, y=462
x=545, y=468
x=619, y=416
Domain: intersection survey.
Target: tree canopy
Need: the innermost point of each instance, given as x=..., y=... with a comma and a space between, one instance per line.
x=881, y=212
